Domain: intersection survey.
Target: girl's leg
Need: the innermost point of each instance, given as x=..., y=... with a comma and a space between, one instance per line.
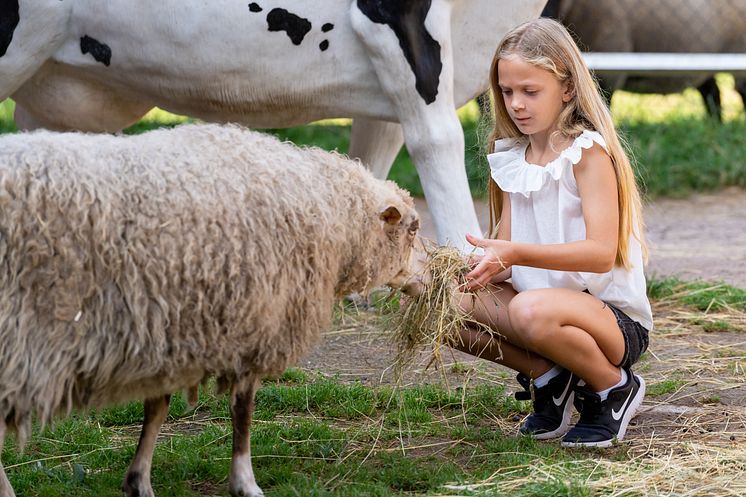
x=573, y=329
x=552, y=395
x=546, y=327
x=490, y=307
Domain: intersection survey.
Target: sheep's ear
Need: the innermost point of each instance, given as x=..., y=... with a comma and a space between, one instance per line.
x=390, y=215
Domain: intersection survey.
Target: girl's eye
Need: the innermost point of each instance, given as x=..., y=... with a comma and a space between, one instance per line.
x=531, y=92
x=507, y=92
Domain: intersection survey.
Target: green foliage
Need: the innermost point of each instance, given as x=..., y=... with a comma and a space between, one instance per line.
x=7, y=124
x=702, y=295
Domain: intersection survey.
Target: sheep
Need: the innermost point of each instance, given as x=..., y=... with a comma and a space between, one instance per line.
x=134, y=267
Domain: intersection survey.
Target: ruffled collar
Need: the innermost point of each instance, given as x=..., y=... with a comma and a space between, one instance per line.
x=511, y=171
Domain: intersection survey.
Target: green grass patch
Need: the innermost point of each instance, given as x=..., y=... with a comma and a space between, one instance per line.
x=664, y=387
x=311, y=436
x=702, y=295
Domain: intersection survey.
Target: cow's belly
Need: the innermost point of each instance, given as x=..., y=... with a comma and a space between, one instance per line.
x=222, y=61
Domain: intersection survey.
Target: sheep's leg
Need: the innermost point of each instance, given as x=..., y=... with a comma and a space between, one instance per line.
x=5, y=489
x=137, y=481
x=242, y=481
x=376, y=143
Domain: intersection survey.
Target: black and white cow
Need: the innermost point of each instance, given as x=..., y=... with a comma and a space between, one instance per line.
x=398, y=68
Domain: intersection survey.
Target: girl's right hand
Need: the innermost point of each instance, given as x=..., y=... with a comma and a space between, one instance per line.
x=488, y=267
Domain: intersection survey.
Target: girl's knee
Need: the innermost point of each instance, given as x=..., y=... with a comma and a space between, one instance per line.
x=529, y=316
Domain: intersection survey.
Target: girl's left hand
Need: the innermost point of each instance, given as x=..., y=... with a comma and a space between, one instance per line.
x=496, y=259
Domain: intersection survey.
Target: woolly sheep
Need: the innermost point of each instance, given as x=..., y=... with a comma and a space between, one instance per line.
x=133, y=267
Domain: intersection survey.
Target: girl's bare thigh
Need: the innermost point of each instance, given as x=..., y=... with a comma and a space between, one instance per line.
x=538, y=315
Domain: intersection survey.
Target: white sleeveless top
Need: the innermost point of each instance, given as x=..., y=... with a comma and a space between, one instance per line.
x=545, y=208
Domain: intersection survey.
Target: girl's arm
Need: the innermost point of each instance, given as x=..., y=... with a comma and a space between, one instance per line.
x=597, y=187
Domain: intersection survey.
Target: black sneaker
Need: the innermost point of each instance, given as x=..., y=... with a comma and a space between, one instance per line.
x=603, y=421
x=552, y=405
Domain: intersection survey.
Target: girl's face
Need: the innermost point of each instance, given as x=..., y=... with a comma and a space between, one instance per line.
x=533, y=96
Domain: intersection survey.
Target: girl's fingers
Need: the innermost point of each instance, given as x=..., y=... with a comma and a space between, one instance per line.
x=477, y=242
x=478, y=270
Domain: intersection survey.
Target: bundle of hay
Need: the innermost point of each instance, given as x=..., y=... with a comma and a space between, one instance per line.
x=433, y=320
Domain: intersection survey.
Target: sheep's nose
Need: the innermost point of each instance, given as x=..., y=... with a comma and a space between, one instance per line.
x=413, y=287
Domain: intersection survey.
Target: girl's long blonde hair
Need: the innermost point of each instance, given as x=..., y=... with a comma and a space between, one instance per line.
x=545, y=43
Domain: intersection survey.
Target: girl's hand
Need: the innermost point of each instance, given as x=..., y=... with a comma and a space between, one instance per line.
x=496, y=259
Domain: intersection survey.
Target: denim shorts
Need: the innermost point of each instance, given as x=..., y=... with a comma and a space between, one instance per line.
x=635, y=337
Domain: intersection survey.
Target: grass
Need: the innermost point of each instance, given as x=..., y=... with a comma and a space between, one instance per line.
x=311, y=436
x=701, y=295
x=678, y=149
x=664, y=387
x=314, y=435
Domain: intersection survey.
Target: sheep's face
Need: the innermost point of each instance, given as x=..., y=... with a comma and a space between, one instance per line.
x=401, y=225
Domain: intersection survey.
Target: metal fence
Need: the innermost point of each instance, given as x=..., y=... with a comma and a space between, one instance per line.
x=656, y=37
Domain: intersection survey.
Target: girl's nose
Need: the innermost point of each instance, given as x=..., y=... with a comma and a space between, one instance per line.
x=516, y=104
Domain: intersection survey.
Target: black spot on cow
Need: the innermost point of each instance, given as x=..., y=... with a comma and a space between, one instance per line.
x=100, y=51
x=9, y=18
x=324, y=45
x=254, y=7
x=295, y=26
x=407, y=20
x=327, y=27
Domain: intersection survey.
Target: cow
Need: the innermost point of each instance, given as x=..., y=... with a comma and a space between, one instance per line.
x=705, y=26
x=398, y=69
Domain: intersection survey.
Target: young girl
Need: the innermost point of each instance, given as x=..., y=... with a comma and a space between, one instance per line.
x=575, y=317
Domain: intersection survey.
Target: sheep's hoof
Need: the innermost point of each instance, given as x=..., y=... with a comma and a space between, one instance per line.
x=252, y=490
x=134, y=486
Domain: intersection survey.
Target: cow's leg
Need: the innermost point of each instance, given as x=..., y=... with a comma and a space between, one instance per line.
x=5, y=489
x=376, y=143
x=242, y=481
x=137, y=480
x=409, y=45
x=57, y=98
x=711, y=95
x=30, y=32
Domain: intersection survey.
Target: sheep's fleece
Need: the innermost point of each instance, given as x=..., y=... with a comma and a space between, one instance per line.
x=132, y=267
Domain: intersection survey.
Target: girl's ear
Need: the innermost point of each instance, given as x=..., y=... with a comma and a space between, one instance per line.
x=568, y=92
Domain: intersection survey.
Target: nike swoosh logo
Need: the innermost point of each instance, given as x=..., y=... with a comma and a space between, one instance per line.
x=617, y=415
x=558, y=400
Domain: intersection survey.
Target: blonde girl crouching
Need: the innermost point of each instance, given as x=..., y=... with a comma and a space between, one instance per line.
x=562, y=283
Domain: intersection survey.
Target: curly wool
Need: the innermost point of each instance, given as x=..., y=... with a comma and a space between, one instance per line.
x=137, y=266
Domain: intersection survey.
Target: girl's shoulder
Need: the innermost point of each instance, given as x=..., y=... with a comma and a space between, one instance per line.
x=511, y=171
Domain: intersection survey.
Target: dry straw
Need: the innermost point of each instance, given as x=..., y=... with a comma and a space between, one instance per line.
x=433, y=320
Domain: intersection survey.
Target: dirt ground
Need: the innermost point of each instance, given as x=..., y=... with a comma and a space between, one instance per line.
x=696, y=378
